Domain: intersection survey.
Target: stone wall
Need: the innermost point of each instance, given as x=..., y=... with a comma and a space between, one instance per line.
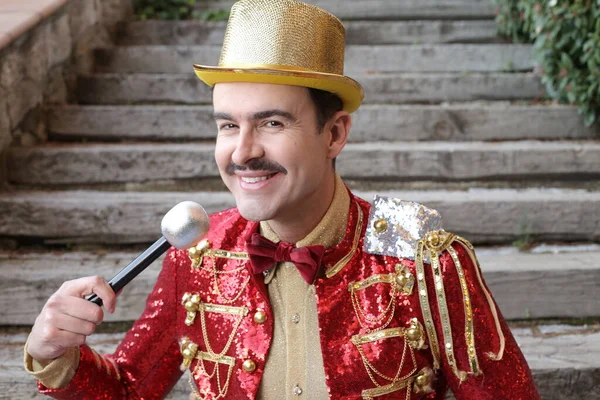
x=41, y=65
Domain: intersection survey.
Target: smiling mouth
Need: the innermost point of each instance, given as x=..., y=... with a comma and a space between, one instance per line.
x=255, y=179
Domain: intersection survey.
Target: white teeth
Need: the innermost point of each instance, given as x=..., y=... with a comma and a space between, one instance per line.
x=248, y=179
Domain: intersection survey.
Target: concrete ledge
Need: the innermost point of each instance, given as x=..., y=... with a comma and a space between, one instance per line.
x=43, y=8
x=17, y=17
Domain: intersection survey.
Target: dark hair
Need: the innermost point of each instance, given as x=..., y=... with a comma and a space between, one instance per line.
x=326, y=105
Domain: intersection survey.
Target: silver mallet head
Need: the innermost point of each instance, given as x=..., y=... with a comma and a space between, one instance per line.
x=185, y=224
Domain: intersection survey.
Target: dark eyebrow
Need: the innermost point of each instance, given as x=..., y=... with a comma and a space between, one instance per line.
x=221, y=115
x=273, y=113
x=258, y=115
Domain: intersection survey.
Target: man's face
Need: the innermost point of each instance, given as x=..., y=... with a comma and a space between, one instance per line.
x=268, y=150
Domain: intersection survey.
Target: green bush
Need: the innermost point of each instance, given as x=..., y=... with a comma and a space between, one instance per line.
x=566, y=40
x=175, y=10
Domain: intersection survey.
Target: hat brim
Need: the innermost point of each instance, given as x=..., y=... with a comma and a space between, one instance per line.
x=350, y=92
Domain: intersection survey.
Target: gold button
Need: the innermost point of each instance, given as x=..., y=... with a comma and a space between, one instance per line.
x=413, y=334
x=400, y=280
x=260, y=317
x=433, y=239
x=191, y=306
x=249, y=366
x=188, y=353
x=380, y=225
x=193, y=253
x=422, y=380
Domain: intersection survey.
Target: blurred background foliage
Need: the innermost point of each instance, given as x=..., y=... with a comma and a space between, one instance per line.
x=566, y=40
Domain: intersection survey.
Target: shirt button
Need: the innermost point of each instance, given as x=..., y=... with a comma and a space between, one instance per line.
x=297, y=390
x=296, y=318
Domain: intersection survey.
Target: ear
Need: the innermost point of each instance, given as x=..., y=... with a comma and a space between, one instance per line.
x=337, y=130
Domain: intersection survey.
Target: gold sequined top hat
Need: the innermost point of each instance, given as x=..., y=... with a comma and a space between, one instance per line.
x=284, y=42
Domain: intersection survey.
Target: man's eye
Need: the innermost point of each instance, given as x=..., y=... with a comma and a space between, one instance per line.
x=226, y=126
x=273, y=124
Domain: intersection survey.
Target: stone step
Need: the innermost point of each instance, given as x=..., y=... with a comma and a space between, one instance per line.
x=402, y=161
x=479, y=121
x=215, y=184
x=383, y=89
x=196, y=33
x=360, y=59
x=390, y=9
x=525, y=285
x=481, y=215
x=563, y=359
x=16, y=384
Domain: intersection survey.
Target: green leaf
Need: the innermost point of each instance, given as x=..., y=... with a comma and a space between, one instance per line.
x=589, y=118
x=566, y=61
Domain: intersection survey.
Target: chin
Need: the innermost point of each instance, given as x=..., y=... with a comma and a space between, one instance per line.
x=254, y=212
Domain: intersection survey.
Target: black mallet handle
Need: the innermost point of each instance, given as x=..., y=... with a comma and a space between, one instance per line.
x=134, y=268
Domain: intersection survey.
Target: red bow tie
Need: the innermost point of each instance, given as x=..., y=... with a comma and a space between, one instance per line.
x=264, y=253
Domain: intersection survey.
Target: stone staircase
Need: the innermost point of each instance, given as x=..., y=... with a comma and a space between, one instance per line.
x=453, y=117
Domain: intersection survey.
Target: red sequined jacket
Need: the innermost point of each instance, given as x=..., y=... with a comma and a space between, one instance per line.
x=390, y=327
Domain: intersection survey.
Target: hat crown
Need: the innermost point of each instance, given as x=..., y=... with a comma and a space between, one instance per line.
x=284, y=33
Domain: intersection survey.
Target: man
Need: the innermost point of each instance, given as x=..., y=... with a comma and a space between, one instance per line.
x=303, y=290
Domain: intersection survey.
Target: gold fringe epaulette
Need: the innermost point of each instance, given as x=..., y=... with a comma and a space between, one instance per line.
x=431, y=247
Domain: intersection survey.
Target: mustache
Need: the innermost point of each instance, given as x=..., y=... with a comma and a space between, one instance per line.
x=256, y=164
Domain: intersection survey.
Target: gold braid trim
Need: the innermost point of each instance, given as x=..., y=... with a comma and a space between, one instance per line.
x=424, y=300
x=369, y=394
x=444, y=315
x=433, y=244
x=471, y=251
x=203, y=249
x=469, y=332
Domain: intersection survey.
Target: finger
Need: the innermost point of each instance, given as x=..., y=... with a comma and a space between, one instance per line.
x=66, y=339
x=68, y=323
x=52, y=337
x=93, y=284
x=80, y=309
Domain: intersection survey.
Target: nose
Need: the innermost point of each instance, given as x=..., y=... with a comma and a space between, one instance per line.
x=248, y=147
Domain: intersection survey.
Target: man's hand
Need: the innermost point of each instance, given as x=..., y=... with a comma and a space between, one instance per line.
x=68, y=318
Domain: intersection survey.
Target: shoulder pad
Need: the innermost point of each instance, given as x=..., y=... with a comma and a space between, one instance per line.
x=395, y=226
